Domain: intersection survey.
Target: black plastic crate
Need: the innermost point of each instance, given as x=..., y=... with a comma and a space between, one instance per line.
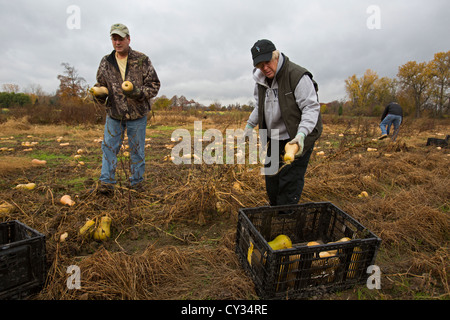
x=22, y=260
x=304, y=269
x=438, y=142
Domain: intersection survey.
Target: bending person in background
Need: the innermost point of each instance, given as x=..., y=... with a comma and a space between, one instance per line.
x=392, y=114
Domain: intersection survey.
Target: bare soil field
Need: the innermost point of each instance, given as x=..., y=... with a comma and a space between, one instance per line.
x=176, y=240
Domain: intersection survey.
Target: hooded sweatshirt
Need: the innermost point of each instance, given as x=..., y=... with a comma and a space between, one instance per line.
x=305, y=97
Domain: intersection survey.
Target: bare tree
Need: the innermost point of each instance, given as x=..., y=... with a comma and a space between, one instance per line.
x=72, y=86
x=10, y=88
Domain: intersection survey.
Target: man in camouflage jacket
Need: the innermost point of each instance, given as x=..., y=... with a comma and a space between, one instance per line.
x=126, y=111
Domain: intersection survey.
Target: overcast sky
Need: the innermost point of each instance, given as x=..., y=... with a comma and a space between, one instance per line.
x=201, y=48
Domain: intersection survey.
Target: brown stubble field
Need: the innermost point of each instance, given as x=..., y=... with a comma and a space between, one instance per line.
x=176, y=240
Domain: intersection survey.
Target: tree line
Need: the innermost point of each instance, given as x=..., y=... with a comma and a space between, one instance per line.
x=420, y=87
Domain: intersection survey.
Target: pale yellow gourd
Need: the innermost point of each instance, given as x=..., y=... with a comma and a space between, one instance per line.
x=27, y=186
x=63, y=237
x=67, y=200
x=99, y=91
x=334, y=252
x=127, y=86
x=38, y=162
x=290, y=151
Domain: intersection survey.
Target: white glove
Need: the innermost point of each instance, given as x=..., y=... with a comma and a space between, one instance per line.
x=300, y=141
x=248, y=131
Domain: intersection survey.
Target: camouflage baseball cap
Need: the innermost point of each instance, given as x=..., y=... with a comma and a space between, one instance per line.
x=119, y=29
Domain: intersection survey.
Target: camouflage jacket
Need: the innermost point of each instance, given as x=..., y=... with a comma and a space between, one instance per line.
x=140, y=72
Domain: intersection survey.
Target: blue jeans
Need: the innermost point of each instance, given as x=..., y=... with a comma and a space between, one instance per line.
x=390, y=119
x=112, y=141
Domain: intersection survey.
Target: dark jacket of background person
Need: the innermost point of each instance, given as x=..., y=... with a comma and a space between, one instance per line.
x=392, y=108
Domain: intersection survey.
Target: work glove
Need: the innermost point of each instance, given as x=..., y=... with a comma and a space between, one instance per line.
x=136, y=93
x=300, y=141
x=248, y=131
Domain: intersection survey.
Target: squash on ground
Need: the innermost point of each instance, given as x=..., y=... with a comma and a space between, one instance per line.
x=104, y=230
x=38, y=162
x=67, y=200
x=27, y=186
x=87, y=229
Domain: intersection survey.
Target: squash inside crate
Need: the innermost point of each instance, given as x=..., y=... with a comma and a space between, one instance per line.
x=330, y=250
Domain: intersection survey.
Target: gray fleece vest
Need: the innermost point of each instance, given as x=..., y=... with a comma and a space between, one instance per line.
x=288, y=78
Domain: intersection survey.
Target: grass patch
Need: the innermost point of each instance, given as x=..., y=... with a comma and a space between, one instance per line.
x=49, y=157
x=75, y=184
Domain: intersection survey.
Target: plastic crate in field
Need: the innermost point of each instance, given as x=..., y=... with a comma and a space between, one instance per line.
x=330, y=250
x=22, y=260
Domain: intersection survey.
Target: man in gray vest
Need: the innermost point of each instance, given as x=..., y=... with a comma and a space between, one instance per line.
x=287, y=107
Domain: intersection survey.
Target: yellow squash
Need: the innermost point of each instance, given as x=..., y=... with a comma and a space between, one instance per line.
x=249, y=253
x=355, y=260
x=290, y=151
x=127, y=86
x=87, y=229
x=281, y=242
x=103, y=231
x=28, y=186
x=99, y=91
x=6, y=208
x=333, y=252
x=254, y=255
